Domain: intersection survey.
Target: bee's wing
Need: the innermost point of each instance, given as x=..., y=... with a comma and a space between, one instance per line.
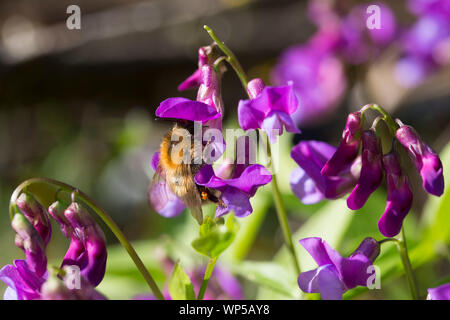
x=161, y=198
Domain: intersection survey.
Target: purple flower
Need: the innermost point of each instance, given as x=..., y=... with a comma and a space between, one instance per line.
x=28, y=239
x=425, y=159
x=269, y=109
x=440, y=293
x=237, y=191
x=317, y=77
x=195, y=80
x=88, y=250
x=185, y=109
x=348, y=148
x=23, y=283
x=28, y=279
x=307, y=182
x=336, y=274
x=36, y=214
x=371, y=171
x=399, y=197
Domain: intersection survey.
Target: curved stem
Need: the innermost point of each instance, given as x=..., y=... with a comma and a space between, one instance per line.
x=279, y=204
x=231, y=58
x=393, y=126
x=207, y=276
x=403, y=251
x=102, y=214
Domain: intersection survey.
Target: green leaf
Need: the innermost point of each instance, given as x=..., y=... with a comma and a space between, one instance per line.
x=180, y=285
x=214, y=238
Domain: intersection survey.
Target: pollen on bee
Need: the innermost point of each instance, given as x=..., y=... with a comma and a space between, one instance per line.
x=204, y=195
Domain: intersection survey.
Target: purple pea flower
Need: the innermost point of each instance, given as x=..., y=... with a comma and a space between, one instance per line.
x=23, y=283
x=195, y=80
x=237, y=191
x=371, y=171
x=307, y=182
x=89, y=250
x=440, y=293
x=348, y=148
x=36, y=214
x=28, y=239
x=28, y=279
x=336, y=274
x=425, y=159
x=269, y=108
x=399, y=197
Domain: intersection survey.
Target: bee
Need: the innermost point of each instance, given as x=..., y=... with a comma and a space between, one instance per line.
x=174, y=175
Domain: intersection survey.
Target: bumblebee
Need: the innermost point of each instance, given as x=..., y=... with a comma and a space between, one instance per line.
x=178, y=164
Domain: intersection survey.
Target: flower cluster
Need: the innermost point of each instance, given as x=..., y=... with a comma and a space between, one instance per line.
x=425, y=44
x=269, y=108
x=328, y=172
x=317, y=68
x=29, y=279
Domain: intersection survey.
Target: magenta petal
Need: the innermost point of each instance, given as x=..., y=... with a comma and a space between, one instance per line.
x=182, y=108
x=330, y=285
x=304, y=187
x=235, y=200
x=311, y=157
x=248, y=117
x=348, y=148
x=440, y=293
x=426, y=160
x=354, y=270
x=399, y=198
x=371, y=171
x=192, y=82
x=316, y=248
x=324, y=280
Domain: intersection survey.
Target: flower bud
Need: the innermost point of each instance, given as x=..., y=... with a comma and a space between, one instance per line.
x=348, y=148
x=89, y=239
x=56, y=210
x=425, y=159
x=371, y=171
x=30, y=241
x=255, y=87
x=209, y=90
x=399, y=197
x=36, y=214
x=368, y=247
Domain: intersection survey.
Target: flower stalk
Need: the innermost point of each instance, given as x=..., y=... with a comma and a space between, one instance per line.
x=403, y=251
x=206, y=277
x=279, y=204
x=101, y=213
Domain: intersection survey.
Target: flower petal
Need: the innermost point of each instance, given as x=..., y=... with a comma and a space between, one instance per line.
x=182, y=108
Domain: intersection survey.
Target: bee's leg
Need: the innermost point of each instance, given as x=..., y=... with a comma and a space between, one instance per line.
x=207, y=194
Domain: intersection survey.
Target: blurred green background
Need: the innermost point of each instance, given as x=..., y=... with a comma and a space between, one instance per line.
x=80, y=109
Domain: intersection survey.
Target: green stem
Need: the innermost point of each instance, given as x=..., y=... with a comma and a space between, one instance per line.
x=403, y=251
x=207, y=276
x=102, y=214
x=279, y=204
x=231, y=58
x=282, y=218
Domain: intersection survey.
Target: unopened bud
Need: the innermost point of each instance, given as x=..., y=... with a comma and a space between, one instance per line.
x=36, y=214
